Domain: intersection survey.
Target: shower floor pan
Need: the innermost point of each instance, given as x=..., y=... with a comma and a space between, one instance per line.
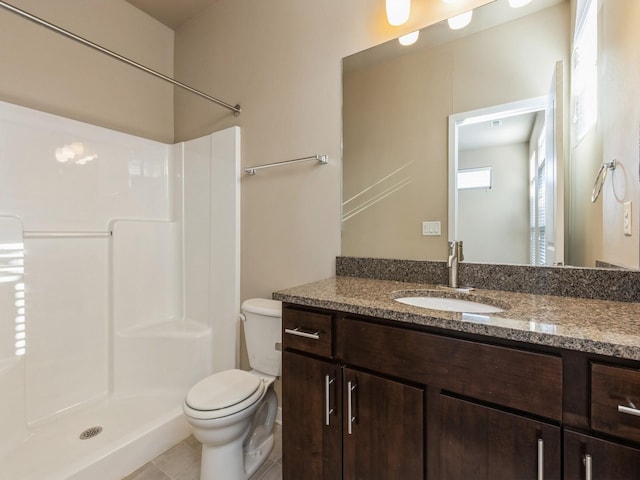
x=122, y=433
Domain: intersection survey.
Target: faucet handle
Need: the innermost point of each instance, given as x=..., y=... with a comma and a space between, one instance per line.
x=460, y=252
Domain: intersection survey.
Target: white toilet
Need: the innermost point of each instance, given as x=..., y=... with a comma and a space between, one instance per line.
x=232, y=413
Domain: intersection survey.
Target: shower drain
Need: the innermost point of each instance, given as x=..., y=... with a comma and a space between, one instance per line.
x=90, y=433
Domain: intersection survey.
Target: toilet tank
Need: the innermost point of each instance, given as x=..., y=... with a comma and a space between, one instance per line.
x=263, y=330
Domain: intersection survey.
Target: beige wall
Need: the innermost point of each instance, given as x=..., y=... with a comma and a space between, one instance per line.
x=596, y=229
x=494, y=223
x=395, y=120
x=281, y=60
x=396, y=115
x=584, y=220
x=620, y=123
x=43, y=70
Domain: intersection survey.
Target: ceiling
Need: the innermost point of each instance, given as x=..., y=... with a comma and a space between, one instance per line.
x=171, y=12
x=509, y=130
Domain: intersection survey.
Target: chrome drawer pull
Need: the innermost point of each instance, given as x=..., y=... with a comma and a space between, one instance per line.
x=300, y=333
x=350, y=388
x=629, y=410
x=327, y=399
x=540, y=459
x=588, y=475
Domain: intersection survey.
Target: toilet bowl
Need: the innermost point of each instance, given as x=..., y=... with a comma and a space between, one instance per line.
x=232, y=413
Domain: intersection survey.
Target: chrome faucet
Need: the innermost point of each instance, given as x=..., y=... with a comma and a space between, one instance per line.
x=455, y=256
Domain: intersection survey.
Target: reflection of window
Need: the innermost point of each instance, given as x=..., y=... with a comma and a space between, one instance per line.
x=537, y=197
x=474, y=178
x=584, y=78
x=12, y=271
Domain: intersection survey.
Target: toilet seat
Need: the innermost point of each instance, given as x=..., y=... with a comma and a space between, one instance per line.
x=223, y=394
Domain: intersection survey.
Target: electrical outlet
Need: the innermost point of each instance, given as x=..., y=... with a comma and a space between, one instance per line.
x=626, y=219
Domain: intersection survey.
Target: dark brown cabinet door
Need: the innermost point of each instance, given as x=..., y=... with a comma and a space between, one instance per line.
x=311, y=425
x=482, y=443
x=383, y=429
x=589, y=458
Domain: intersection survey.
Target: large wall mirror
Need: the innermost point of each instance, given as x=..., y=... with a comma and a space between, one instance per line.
x=494, y=135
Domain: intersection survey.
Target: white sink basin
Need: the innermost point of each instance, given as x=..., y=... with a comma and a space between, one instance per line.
x=449, y=304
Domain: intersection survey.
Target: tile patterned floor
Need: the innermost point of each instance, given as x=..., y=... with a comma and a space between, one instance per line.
x=182, y=462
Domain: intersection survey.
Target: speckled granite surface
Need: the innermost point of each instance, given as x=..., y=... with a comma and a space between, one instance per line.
x=596, y=283
x=590, y=325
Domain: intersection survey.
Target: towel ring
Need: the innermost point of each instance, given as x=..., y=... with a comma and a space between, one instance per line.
x=600, y=178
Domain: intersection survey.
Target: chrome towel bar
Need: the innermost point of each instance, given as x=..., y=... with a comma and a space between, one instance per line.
x=43, y=234
x=324, y=159
x=600, y=178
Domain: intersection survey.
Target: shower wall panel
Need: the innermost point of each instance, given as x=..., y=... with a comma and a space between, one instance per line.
x=60, y=174
x=67, y=307
x=60, y=178
x=12, y=332
x=196, y=163
x=129, y=289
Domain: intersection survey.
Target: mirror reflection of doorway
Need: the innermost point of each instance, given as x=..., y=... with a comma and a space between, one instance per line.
x=504, y=180
x=494, y=216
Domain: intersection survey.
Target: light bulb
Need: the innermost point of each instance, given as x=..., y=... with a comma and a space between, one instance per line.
x=518, y=3
x=409, y=38
x=460, y=21
x=398, y=11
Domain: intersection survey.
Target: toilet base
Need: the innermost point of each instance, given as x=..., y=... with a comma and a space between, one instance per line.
x=253, y=460
x=241, y=457
x=230, y=462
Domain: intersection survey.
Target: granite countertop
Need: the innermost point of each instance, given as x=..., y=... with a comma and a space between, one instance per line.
x=596, y=326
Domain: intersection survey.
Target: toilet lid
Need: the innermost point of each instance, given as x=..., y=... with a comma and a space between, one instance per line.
x=222, y=390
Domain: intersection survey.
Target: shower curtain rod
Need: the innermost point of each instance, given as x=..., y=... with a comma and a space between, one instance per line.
x=234, y=108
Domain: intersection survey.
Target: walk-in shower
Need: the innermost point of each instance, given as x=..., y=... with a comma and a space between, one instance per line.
x=118, y=290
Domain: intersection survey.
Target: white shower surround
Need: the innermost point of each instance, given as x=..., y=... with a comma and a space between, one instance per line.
x=117, y=328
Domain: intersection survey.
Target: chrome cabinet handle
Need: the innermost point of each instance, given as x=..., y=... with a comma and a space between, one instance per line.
x=327, y=399
x=629, y=410
x=540, y=459
x=301, y=333
x=588, y=475
x=350, y=388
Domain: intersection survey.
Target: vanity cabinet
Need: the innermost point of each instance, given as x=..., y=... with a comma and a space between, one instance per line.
x=366, y=398
x=342, y=422
x=311, y=403
x=488, y=444
x=590, y=458
x=615, y=401
x=383, y=428
x=614, y=398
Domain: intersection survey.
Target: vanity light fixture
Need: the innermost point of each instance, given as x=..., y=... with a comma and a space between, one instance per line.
x=398, y=11
x=409, y=38
x=460, y=21
x=518, y=3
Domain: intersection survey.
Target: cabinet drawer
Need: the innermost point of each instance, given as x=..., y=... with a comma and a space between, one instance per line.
x=307, y=331
x=615, y=401
x=527, y=381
